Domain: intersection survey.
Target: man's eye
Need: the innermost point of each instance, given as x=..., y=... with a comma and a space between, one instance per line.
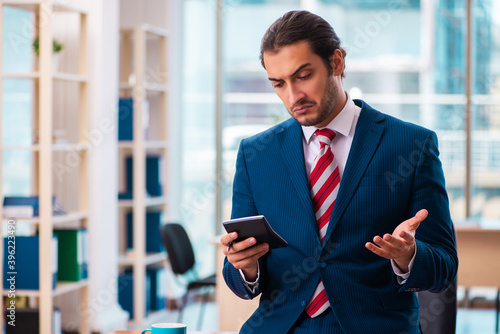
x=278, y=85
x=304, y=77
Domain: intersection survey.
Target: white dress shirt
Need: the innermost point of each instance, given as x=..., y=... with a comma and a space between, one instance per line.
x=344, y=125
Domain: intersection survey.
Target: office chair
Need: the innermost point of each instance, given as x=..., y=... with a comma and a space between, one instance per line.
x=438, y=311
x=181, y=256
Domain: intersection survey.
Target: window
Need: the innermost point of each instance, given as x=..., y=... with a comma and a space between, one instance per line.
x=485, y=112
x=405, y=58
x=16, y=102
x=198, y=132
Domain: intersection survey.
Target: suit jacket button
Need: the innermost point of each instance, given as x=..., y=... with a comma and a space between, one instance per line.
x=303, y=303
x=322, y=264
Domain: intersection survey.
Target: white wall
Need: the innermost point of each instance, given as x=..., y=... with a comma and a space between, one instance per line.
x=104, y=310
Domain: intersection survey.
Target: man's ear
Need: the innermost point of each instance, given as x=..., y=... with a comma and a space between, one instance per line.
x=337, y=62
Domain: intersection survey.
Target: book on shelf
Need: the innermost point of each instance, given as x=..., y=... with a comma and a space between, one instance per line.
x=27, y=320
x=27, y=207
x=126, y=118
x=24, y=273
x=72, y=254
x=126, y=292
x=20, y=301
x=154, y=175
x=125, y=195
x=158, y=281
x=154, y=244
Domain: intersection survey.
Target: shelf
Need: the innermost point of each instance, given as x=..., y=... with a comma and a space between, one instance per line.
x=137, y=42
x=152, y=144
x=154, y=87
x=70, y=217
x=148, y=201
x=54, y=102
x=70, y=77
x=26, y=75
x=65, y=287
x=61, y=289
x=125, y=85
x=60, y=147
x=33, y=4
x=155, y=30
x=149, y=144
x=56, y=76
x=21, y=148
x=149, y=87
x=67, y=147
x=151, y=30
x=151, y=258
x=56, y=220
x=62, y=7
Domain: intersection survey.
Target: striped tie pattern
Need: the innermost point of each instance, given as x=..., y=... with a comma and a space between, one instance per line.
x=324, y=183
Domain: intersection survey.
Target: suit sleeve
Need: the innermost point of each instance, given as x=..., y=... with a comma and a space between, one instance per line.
x=436, y=260
x=243, y=206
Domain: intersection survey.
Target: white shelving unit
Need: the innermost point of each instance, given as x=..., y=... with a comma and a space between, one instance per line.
x=143, y=68
x=45, y=152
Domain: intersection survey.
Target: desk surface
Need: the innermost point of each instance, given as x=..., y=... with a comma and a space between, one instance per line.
x=477, y=256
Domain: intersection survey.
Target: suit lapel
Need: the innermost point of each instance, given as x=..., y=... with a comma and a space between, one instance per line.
x=290, y=138
x=364, y=145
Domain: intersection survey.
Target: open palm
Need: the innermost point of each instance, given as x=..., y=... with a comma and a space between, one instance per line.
x=400, y=245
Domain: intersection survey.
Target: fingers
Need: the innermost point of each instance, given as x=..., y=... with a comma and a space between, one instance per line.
x=248, y=258
x=391, y=247
x=228, y=238
x=242, y=254
x=240, y=246
x=407, y=237
x=414, y=222
x=386, y=247
x=377, y=250
x=402, y=242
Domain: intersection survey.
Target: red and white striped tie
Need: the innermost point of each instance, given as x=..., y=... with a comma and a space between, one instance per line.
x=324, y=183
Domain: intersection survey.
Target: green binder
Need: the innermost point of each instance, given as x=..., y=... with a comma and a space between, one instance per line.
x=71, y=254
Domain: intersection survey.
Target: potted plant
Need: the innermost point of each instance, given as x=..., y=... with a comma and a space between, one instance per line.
x=56, y=48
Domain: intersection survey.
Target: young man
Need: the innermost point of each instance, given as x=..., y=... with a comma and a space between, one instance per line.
x=359, y=196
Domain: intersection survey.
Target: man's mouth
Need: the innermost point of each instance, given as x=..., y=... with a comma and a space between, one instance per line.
x=302, y=109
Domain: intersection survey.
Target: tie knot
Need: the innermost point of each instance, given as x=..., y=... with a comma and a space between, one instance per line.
x=325, y=136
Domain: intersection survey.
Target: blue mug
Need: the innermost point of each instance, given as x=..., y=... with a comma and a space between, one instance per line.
x=167, y=328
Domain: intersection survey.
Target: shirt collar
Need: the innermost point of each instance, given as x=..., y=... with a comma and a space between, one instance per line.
x=341, y=124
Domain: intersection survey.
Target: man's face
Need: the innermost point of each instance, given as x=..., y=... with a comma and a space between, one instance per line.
x=301, y=80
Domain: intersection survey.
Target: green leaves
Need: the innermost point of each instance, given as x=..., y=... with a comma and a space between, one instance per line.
x=56, y=46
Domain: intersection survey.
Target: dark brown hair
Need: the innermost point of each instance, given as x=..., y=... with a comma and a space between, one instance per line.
x=298, y=26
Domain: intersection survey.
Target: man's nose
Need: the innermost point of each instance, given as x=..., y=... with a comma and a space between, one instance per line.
x=295, y=94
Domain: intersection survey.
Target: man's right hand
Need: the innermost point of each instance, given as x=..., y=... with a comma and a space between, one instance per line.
x=244, y=255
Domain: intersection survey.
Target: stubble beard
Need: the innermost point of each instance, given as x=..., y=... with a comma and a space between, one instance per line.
x=325, y=107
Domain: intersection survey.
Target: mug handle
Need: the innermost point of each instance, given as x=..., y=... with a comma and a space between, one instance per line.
x=146, y=330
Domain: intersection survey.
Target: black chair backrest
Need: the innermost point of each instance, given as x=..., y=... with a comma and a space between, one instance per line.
x=178, y=246
x=438, y=311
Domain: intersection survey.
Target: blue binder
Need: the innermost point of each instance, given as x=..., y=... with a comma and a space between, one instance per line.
x=158, y=281
x=32, y=201
x=126, y=292
x=125, y=119
x=154, y=243
x=153, y=175
x=25, y=271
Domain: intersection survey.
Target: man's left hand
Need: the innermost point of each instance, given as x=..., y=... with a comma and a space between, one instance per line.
x=400, y=245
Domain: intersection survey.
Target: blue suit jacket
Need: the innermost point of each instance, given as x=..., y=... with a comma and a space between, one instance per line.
x=392, y=171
